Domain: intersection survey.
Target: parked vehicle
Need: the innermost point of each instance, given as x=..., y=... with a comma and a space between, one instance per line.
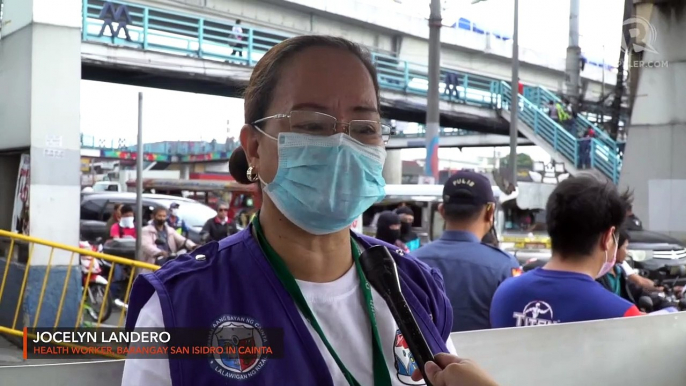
x=653, y=254
x=96, y=209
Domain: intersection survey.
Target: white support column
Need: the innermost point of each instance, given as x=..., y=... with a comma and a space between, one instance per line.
x=654, y=164
x=393, y=168
x=40, y=81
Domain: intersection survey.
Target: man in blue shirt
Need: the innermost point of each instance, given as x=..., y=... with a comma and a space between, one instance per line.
x=583, y=215
x=472, y=270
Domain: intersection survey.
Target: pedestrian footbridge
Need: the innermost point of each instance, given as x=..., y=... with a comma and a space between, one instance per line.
x=169, y=49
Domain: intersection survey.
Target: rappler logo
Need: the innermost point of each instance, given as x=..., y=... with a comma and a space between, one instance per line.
x=241, y=339
x=642, y=36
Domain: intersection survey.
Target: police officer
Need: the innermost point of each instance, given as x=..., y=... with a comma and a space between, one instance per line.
x=472, y=270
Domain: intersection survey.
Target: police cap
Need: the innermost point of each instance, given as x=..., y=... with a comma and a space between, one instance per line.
x=468, y=188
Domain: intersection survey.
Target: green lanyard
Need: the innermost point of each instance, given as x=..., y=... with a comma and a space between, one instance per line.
x=381, y=375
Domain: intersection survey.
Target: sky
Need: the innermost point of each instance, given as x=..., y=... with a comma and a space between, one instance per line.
x=173, y=115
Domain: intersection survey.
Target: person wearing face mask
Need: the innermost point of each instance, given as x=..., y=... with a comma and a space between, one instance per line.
x=617, y=279
x=160, y=240
x=407, y=236
x=114, y=218
x=126, y=226
x=583, y=215
x=388, y=229
x=176, y=222
x=474, y=269
x=315, y=144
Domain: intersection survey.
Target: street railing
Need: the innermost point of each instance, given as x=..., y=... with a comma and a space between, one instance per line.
x=96, y=298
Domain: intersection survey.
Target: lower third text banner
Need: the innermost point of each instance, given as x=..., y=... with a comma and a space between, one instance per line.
x=243, y=342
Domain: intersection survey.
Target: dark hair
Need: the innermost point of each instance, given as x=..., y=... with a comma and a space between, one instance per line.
x=267, y=73
x=159, y=209
x=623, y=236
x=579, y=210
x=238, y=166
x=126, y=209
x=628, y=197
x=238, y=21
x=490, y=238
x=462, y=212
x=404, y=210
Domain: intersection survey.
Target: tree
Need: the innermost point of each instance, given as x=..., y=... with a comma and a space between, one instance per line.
x=524, y=161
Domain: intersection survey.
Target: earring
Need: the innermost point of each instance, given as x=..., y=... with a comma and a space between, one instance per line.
x=251, y=173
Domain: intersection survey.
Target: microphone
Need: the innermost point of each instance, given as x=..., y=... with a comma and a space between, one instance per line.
x=380, y=270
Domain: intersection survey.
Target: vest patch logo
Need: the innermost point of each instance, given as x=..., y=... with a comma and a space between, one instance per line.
x=405, y=364
x=242, y=339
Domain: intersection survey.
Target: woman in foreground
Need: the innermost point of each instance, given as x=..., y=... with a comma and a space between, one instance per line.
x=314, y=142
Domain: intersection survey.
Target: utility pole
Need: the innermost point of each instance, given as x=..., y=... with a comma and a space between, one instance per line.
x=139, y=177
x=432, y=101
x=514, y=106
x=573, y=71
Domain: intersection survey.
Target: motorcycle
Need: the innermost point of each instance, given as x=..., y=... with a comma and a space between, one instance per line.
x=94, y=284
x=162, y=260
x=668, y=298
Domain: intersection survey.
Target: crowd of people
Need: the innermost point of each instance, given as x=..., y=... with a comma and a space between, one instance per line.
x=166, y=233
x=313, y=144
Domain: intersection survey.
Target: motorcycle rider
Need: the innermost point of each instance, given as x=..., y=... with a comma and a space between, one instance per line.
x=218, y=227
x=114, y=218
x=176, y=222
x=125, y=227
x=617, y=280
x=633, y=223
x=160, y=240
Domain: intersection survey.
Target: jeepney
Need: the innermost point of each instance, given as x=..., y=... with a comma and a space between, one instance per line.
x=422, y=199
x=521, y=223
x=243, y=200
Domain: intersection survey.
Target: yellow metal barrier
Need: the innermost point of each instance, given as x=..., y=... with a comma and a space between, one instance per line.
x=86, y=303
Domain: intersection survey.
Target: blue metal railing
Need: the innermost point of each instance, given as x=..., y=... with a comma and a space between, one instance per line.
x=543, y=97
x=601, y=157
x=182, y=34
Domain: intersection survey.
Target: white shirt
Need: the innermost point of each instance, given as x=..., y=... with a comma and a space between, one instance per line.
x=341, y=312
x=628, y=270
x=237, y=32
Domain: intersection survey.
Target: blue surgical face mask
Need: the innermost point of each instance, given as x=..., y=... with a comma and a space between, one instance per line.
x=323, y=183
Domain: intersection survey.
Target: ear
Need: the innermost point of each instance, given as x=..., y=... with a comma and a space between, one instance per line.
x=250, y=143
x=607, y=239
x=441, y=210
x=490, y=212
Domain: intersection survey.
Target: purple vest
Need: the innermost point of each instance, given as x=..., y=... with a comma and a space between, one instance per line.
x=235, y=283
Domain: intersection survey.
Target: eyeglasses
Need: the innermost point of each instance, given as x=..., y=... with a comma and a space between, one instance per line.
x=222, y=210
x=314, y=123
